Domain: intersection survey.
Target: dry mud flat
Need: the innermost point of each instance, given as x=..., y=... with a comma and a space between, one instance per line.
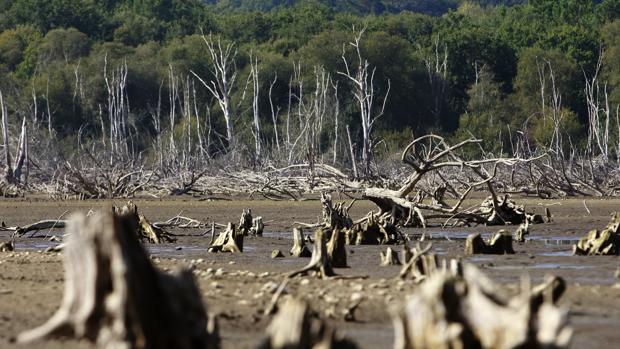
x=238, y=287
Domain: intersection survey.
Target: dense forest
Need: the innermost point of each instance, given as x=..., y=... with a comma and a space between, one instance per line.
x=289, y=80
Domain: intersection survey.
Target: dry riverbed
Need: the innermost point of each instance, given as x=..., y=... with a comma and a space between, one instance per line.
x=238, y=287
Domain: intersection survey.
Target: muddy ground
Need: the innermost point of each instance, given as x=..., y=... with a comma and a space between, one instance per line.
x=238, y=287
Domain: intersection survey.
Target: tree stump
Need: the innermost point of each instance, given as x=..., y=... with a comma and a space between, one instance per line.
x=389, y=257
x=230, y=240
x=605, y=242
x=449, y=311
x=524, y=229
x=299, y=245
x=145, y=231
x=336, y=249
x=257, y=226
x=115, y=298
x=277, y=254
x=245, y=222
x=7, y=246
x=319, y=263
x=372, y=231
x=294, y=327
x=500, y=243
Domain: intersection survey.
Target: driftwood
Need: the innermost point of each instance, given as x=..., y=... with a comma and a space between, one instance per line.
x=37, y=226
x=389, y=257
x=605, y=242
x=449, y=311
x=500, y=243
x=299, y=246
x=422, y=265
x=145, y=231
x=115, y=298
x=295, y=327
x=336, y=249
x=431, y=154
x=230, y=240
x=372, y=230
x=319, y=263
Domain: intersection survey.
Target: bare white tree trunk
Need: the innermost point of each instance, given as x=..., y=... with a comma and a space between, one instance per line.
x=274, y=113
x=5, y=139
x=364, y=92
x=225, y=74
x=254, y=72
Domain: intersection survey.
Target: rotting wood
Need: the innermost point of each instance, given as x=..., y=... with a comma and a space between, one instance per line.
x=299, y=248
x=499, y=243
x=295, y=327
x=115, y=298
x=605, y=242
x=469, y=311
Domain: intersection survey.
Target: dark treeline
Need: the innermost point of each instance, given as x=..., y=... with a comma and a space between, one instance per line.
x=546, y=70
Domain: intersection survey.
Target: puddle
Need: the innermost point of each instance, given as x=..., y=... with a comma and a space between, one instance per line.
x=542, y=266
x=555, y=240
x=556, y=254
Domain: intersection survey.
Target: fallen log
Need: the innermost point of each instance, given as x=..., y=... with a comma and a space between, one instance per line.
x=115, y=298
x=449, y=311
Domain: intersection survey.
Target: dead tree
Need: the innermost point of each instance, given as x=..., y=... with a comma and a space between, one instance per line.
x=605, y=242
x=500, y=243
x=245, y=222
x=299, y=246
x=372, y=230
x=431, y=154
x=224, y=72
x=450, y=311
x=362, y=79
x=295, y=327
x=115, y=298
x=230, y=240
x=15, y=174
x=335, y=216
x=319, y=263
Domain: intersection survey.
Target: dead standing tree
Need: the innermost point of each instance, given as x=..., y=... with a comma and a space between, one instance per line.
x=14, y=173
x=431, y=154
x=362, y=79
x=224, y=73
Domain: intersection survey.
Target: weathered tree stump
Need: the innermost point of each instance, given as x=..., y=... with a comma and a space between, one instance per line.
x=257, y=226
x=245, y=222
x=524, y=229
x=449, y=311
x=7, y=246
x=422, y=265
x=115, y=298
x=319, y=263
x=605, y=242
x=295, y=327
x=335, y=215
x=230, y=240
x=145, y=231
x=336, y=249
x=277, y=254
x=500, y=243
x=299, y=245
x=372, y=231
x=389, y=257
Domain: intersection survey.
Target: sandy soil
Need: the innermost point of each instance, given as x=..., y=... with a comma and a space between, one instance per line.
x=31, y=282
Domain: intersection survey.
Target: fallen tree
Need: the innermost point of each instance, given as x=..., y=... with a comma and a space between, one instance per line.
x=431, y=156
x=115, y=298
